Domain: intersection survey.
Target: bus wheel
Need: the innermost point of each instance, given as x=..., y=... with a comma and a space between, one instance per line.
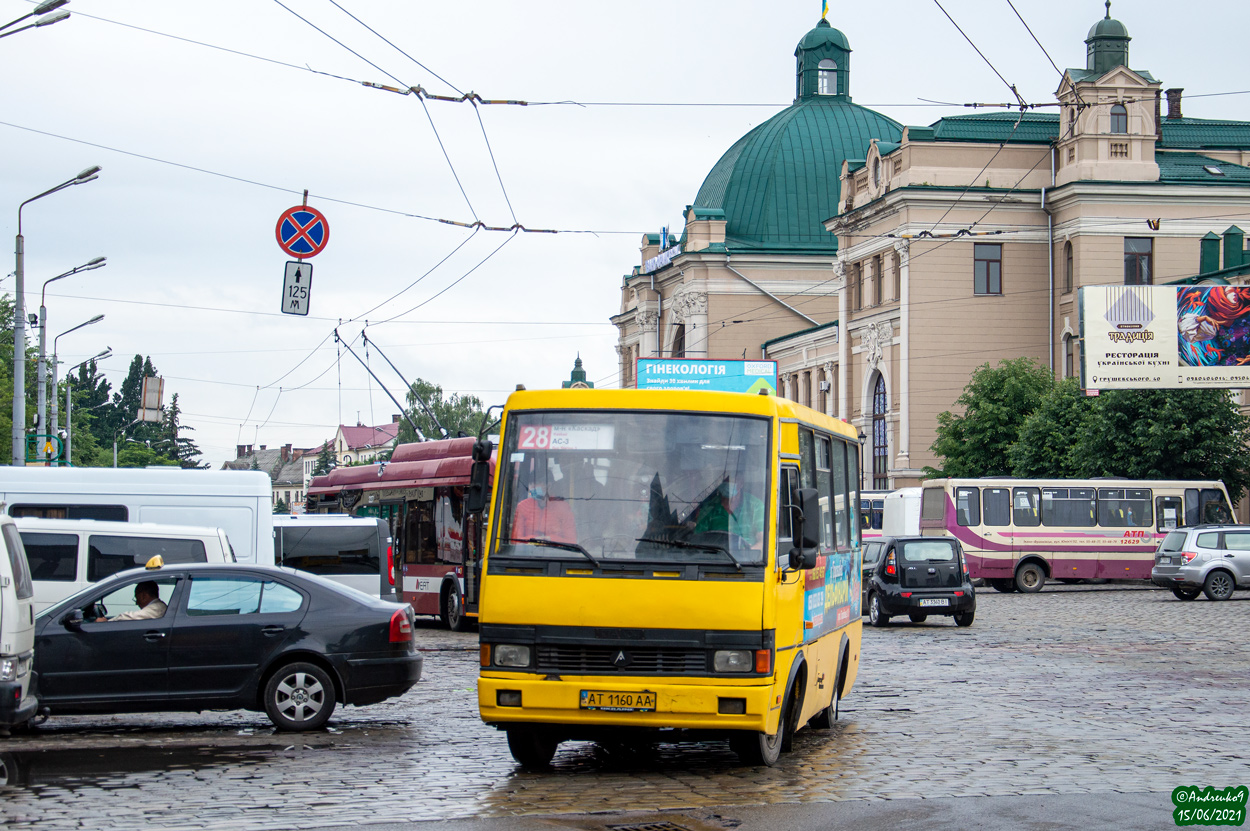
x=532, y=749
x=1186, y=593
x=453, y=611
x=1006, y=585
x=760, y=749
x=877, y=615
x=1030, y=578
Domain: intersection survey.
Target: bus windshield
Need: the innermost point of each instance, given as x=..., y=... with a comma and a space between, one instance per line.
x=634, y=486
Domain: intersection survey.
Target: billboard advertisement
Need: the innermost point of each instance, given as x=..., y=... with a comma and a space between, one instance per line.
x=719, y=376
x=1173, y=337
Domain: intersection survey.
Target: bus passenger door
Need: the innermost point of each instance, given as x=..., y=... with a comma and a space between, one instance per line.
x=789, y=583
x=422, y=577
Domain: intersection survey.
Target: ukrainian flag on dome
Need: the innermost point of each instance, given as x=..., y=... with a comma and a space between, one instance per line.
x=824, y=8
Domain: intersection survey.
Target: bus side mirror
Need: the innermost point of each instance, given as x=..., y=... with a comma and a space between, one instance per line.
x=478, y=492
x=806, y=530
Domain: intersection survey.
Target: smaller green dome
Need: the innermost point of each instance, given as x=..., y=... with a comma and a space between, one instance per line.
x=1108, y=27
x=823, y=35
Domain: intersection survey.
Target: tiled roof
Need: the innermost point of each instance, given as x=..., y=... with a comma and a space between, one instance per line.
x=1035, y=128
x=1194, y=168
x=1199, y=133
x=359, y=437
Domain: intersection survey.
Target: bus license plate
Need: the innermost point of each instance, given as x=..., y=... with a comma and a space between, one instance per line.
x=937, y=601
x=618, y=702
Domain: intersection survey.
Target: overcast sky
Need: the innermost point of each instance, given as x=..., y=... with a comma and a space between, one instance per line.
x=210, y=124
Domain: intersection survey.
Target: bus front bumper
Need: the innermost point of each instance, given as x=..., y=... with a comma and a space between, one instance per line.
x=684, y=706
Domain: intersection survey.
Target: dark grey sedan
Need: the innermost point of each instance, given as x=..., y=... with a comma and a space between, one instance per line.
x=223, y=636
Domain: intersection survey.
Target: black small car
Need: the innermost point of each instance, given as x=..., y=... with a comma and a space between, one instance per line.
x=917, y=577
x=223, y=637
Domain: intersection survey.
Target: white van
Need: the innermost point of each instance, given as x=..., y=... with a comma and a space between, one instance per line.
x=237, y=501
x=17, y=632
x=67, y=555
x=900, y=516
x=354, y=551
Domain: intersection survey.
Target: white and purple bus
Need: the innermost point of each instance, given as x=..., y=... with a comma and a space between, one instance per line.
x=1018, y=533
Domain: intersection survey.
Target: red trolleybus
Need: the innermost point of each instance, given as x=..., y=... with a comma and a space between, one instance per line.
x=434, y=561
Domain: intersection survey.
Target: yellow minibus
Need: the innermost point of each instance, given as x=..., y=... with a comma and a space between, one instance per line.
x=667, y=565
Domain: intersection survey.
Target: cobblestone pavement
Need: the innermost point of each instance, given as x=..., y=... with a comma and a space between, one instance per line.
x=1075, y=690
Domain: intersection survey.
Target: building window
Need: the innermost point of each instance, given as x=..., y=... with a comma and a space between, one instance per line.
x=1119, y=119
x=1069, y=357
x=679, y=341
x=878, y=281
x=828, y=78
x=987, y=268
x=880, y=442
x=1138, y=253
x=876, y=173
x=898, y=276
x=857, y=287
x=1071, y=155
x=1069, y=278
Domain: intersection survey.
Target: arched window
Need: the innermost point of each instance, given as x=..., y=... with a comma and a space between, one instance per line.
x=1119, y=119
x=880, y=438
x=1069, y=276
x=827, y=72
x=1069, y=357
x=679, y=341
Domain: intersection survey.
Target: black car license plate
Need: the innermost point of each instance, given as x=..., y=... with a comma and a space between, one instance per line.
x=934, y=601
x=618, y=702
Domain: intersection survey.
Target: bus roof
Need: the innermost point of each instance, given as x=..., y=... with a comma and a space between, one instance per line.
x=122, y=480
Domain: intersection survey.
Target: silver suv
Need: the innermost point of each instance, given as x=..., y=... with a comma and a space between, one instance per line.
x=1211, y=559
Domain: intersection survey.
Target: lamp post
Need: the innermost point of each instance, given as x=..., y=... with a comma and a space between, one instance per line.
x=40, y=10
x=41, y=372
x=862, y=436
x=95, y=319
x=69, y=402
x=118, y=432
x=19, y=320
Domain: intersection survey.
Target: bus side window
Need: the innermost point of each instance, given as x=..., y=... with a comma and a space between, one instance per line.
x=843, y=499
x=968, y=506
x=1167, y=512
x=1214, y=508
x=787, y=485
x=997, y=503
x=1192, y=511
x=1026, y=507
x=831, y=496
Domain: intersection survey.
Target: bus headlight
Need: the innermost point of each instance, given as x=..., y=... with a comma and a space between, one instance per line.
x=511, y=655
x=733, y=660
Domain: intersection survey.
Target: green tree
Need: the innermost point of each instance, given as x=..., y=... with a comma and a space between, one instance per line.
x=281, y=507
x=459, y=414
x=1048, y=438
x=325, y=460
x=134, y=454
x=1167, y=434
x=996, y=403
x=172, y=443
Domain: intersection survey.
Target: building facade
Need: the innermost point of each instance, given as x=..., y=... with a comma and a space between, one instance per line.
x=955, y=244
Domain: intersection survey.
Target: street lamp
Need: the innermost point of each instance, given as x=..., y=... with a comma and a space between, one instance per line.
x=40, y=10
x=862, y=436
x=41, y=372
x=19, y=320
x=95, y=319
x=118, y=432
x=69, y=402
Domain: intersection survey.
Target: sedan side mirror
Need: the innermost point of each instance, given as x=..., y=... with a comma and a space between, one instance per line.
x=806, y=529
x=73, y=620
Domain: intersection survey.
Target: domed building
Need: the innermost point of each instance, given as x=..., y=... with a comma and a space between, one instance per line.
x=754, y=258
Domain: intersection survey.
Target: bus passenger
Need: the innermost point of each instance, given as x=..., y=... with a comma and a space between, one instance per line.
x=730, y=509
x=543, y=518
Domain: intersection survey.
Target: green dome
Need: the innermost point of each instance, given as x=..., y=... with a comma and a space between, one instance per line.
x=780, y=182
x=1108, y=28
x=823, y=35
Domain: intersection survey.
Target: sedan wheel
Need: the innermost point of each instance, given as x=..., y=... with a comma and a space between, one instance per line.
x=1186, y=592
x=1219, y=585
x=299, y=697
x=965, y=618
x=877, y=615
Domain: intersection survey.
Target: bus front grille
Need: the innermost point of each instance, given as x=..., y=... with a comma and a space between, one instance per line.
x=623, y=660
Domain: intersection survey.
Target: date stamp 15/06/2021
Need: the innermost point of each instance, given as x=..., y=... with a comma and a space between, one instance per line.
x=1207, y=806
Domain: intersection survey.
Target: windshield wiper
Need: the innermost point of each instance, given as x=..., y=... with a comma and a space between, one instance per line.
x=563, y=546
x=696, y=545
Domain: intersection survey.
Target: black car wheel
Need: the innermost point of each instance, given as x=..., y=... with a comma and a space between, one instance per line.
x=453, y=614
x=531, y=748
x=299, y=696
x=1219, y=585
x=917, y=618
x=1030, y=578
x=877, y=615
x=965, y=618
x=1186, y=592
x=1006, y=585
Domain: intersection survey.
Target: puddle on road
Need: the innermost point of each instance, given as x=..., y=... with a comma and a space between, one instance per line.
x=118, y=767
